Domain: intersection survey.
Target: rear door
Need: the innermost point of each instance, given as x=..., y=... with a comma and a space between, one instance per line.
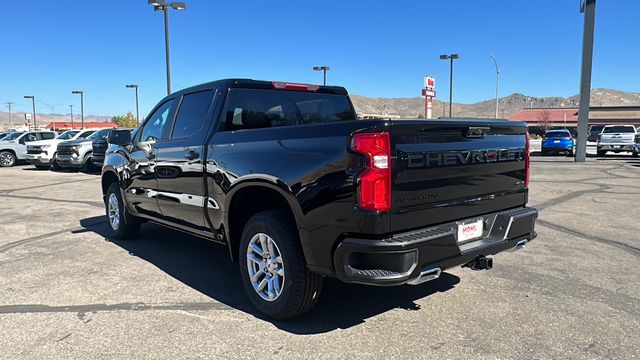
x=180, y=166
x=450, y=170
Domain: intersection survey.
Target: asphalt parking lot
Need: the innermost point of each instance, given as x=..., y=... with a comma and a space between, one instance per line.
x=69, y=292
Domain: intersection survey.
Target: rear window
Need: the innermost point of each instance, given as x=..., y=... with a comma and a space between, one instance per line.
x=618, y=129
x=255, y=108
x=557, y=134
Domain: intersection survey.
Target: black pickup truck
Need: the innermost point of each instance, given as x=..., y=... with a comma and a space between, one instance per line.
x=298, y=189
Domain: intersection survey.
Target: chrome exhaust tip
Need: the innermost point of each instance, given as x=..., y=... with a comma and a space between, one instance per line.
x=426, y=275
x=519, y=245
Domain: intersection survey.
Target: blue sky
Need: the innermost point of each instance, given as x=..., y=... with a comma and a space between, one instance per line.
x=374, y=48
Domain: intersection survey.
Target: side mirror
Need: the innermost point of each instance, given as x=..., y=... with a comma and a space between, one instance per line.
x=120, y=137
x=22, y=141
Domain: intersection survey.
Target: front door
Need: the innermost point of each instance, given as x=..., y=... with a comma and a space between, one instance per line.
x=180, y=167
x=142, y=189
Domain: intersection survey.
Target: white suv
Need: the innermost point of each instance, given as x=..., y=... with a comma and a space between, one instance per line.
x=41, y=154
x=13, y=147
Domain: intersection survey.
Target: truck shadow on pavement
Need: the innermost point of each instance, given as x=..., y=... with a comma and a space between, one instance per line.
x=206, y=267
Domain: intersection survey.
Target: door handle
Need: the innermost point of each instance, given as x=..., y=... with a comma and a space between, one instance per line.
x=191, y=155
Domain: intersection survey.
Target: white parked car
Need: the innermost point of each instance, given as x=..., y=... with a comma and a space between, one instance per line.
x=42, y=153
x=13, y=147
x=618, y=138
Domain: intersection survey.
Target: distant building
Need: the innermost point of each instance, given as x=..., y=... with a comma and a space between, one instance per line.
x=66, y=125
x=540, y=119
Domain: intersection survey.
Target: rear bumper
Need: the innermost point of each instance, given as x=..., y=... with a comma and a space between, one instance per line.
x=401, y=258
x=557, y=147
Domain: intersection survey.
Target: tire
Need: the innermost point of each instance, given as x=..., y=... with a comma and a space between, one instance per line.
x=570, y=153
x=299, y=288
x=120, y=223
x=87, y=165
x=54, y=163
x=602, y=153
x=7, y=159
x=634, y=154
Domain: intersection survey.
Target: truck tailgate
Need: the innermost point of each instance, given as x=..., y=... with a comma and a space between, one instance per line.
x=446, y=170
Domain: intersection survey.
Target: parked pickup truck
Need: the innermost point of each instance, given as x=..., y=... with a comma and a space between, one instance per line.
x=42, y=154
x=100, y=145
x=76, y=154
x=618, y=138
x=298, y=189
x=13, y=147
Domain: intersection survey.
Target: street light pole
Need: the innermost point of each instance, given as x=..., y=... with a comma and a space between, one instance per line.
x=76, y=92
x=324, y=69
x=33, y=103
x=162, y=5
x=450, y=57
x=497, y=82
x=71, y=107
x=588, y=7
x=134, y=86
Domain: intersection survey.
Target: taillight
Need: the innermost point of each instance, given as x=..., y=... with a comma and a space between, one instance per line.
x=295, y=87
x=374, y=188
x=527, y=161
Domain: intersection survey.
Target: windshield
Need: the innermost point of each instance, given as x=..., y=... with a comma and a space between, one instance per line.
x=99, y=135
x=12, y=136
x=557, y=134
x=618, y=129
x=67, y=135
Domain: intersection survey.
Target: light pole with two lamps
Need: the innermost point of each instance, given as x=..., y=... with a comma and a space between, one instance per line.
x=324, y=69
x=161, y=5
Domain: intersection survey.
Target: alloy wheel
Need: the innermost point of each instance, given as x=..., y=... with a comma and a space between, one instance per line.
x=265, y=267
x=113, y=210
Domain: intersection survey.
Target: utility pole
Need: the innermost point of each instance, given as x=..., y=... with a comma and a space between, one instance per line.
x=497, y=82
x=588, y=7
x=9, y=105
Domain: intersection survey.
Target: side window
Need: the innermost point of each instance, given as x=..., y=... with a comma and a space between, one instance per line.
x=47, y=136
x=191, y=114
x=155, y=126
x=30, y=137
x=85, y=134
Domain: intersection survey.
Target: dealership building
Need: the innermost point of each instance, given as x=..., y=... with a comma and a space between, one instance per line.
x=540, y=119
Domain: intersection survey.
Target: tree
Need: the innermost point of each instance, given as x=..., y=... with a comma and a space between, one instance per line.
x=127, y=120
x=544, y=119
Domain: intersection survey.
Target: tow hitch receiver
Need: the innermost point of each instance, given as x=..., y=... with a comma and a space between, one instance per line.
x=480, y=263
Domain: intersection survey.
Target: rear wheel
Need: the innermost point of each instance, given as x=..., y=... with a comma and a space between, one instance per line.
x=87, y=164
x=120, y=223
x=7, y=159
x=602, y=153
x=272, y=266
x=634, y=154
x=54, y=163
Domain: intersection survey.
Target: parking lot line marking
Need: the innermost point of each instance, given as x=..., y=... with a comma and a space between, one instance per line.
x=11, y=245
x=6, y=191
x=25, y=197
x=92, y=308
x=628, y=248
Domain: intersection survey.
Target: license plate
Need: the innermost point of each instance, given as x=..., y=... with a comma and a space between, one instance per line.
x=470, y=230
x=556, y=141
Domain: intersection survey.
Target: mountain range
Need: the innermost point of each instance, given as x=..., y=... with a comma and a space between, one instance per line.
x=414, y=107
